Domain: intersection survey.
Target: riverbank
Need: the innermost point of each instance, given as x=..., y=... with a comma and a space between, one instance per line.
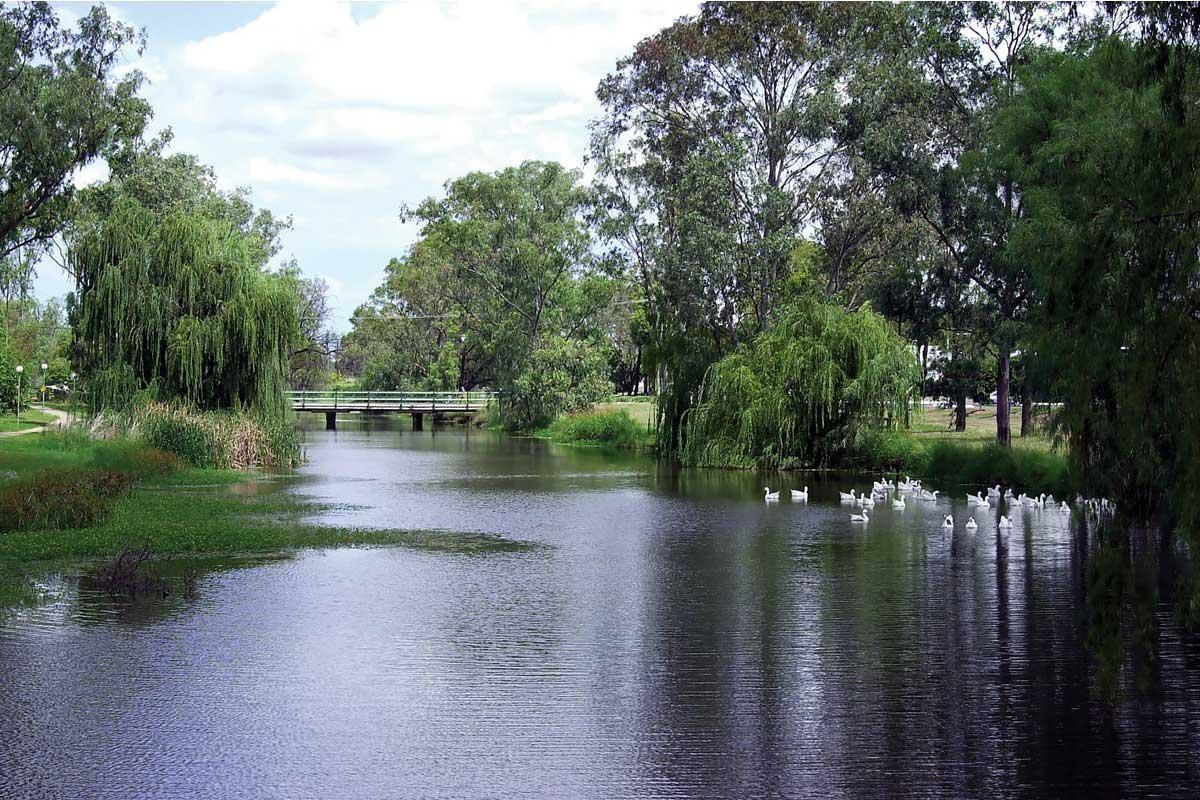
x=929, y=449
x=178, y=512
x=31, y=419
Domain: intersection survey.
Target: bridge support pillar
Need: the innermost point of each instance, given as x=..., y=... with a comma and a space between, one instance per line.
x=418, y=421
x=331, y=420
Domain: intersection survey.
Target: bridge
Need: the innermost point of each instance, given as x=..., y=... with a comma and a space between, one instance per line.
x=332, y=402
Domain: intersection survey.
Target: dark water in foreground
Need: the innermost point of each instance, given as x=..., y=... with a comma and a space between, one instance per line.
x=674, y=637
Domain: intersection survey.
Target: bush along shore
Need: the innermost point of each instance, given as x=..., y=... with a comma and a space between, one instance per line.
x=941, y=459
x=69, y=502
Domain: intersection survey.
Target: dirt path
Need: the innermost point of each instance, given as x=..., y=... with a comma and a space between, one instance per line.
x=62, y=418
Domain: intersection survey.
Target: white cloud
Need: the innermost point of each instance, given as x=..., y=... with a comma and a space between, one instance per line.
x=339, y=119
x=266, y=170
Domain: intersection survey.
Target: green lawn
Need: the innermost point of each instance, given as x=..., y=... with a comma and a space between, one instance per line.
x=30, y=418
x=643, y=412
x=938, y=424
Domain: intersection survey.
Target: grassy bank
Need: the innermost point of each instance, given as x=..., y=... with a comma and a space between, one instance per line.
x=30, y=418
x=932, y=452
x=174, y=511
x=603, y=426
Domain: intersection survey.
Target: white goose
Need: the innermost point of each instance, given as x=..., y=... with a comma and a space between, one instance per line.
x=866, y=501
x=847, y=497
x=864, y=517
x=948, y=522
x=798, y=495
x=898, y=504
x=1005, y=522
x=769, y=496
x=972, y=524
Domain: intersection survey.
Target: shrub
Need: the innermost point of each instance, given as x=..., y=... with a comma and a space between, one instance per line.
x=217, y=439
x=890, y=450
x=611, y=428
x=174, y=430
x=562, y=376
x=57, y=499
x=1030, y=470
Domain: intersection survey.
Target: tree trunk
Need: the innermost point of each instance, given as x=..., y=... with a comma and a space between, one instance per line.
x=960, y=413
x=1003, y=399
x=1026, y=412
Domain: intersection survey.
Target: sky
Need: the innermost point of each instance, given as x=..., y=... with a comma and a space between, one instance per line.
x=337, y=114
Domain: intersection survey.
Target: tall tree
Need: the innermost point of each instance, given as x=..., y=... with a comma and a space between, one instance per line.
x=175, y=304
x=924, y=110
x=715, y=134
x=517, y=259
x=63, y=103
x=1105, y=141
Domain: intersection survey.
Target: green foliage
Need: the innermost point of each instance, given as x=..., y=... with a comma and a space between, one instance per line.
x=177, y=306
x=217, y=440
x=1105, y=142
x=890, y=450
x=68, y=99
x=57, y=499
x=799, y=393
x=607, y=428
x=8, y=375
x=505, y=259
x=562, y=376
x=1024, y=469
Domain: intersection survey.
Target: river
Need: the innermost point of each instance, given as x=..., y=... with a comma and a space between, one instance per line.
x=670, y=635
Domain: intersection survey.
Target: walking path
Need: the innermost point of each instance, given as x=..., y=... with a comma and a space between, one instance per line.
x=62, y=418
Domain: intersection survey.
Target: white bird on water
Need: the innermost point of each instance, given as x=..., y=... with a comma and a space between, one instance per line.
x=972, y=524
x=847, y=497
x=798, y=495
x=1005, y=522
x=948, y=522
x=864, y=517
x=769, y=495
x=898, y=504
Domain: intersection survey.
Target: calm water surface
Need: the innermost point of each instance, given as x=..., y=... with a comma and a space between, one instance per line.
x=671, y=636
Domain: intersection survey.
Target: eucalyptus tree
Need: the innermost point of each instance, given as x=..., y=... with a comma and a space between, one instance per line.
x=924, y=109
x=64, y=102
x=520, y=276
x=715, y=135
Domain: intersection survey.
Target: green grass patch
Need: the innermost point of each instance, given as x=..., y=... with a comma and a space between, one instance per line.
x=61, y=498
x=599, y=427
x=974, y=463
x=30, y=418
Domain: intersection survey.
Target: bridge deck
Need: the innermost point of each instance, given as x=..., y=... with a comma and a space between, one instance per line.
x=390, y=402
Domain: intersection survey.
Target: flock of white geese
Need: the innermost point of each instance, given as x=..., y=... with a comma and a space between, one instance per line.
x=885, y=490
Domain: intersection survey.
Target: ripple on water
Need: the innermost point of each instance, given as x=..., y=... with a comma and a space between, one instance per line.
x=680, y=639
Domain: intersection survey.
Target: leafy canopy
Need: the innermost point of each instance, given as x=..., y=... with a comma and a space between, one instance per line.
x=799, y=393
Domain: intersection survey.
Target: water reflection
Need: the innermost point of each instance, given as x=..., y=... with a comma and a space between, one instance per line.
x=679, y=639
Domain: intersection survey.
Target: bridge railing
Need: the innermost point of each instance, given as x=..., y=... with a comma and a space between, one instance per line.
x=338, y=398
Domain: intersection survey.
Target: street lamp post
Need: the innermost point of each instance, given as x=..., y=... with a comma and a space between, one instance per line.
x=71, y=393
x=20, y=369
x=43, y=386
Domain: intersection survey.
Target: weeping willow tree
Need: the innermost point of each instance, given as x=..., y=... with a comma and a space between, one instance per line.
x=798, y=394
x=175, y=306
